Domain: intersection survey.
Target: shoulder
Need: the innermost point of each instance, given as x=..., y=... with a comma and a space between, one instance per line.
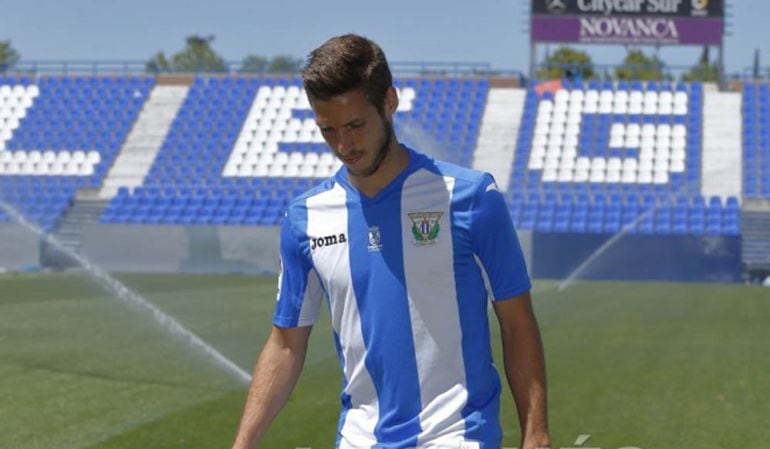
x=296, y=211
x=300, y=201
x=467, y=180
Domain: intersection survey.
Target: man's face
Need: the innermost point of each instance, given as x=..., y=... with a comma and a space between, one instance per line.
x=358, y=134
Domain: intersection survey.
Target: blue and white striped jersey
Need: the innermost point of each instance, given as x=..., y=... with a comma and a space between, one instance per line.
x=403, y=273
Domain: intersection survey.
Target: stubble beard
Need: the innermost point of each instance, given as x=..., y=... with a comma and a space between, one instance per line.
x=382, y=152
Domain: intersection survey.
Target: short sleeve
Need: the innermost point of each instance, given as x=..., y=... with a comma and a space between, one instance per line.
x=496, y=244
x=299, y=288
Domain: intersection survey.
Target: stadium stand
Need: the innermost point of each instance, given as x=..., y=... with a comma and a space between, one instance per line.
x=591, y=157
x=756, y=141
x=73, y=128
x=598, y=157
x=240, y=148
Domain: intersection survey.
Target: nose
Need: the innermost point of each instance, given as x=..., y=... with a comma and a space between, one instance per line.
x=345, y=141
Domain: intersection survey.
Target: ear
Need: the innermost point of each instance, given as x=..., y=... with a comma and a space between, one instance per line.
x=391, y=100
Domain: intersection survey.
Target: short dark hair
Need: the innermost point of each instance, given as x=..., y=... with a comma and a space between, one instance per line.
x=345, y=63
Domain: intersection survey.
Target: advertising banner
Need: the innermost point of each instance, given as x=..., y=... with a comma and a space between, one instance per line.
x=653, y=22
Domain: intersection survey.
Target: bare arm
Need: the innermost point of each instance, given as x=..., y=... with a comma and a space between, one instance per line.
x=275, y=375
x=525, y=368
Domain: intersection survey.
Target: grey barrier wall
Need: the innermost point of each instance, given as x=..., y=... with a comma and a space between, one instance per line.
x=173, y=249
x=19, y=248
x=637, y=257
x=255, y=250
x=194, y=249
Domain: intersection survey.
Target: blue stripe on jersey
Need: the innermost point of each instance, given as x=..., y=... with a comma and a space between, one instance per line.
x=345, y=398
x=379, y=285
x=481, y=412
x=295, y=267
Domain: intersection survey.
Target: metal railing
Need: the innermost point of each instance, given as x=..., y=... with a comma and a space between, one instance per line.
x=134, y=67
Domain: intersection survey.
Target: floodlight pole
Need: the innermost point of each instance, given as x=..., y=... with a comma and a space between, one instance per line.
x=532, y=44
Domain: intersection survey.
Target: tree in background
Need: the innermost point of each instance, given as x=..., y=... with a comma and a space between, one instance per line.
x=8, y=55
x=158, y=63
x=253, y=64
x=566, y=61
x=638, y=66
x=703, y=70
x=284, y=64
x=278, y=64
x=197, y=56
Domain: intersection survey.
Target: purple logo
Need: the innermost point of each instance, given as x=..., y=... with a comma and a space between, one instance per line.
x=628, y=29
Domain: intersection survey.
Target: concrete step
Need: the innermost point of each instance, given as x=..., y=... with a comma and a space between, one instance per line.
x=152, y=133
x=129, y=172
x=145, y=139
x=498, y=132
x=138, y=152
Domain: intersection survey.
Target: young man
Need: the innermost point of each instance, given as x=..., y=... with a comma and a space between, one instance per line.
x=398, y=243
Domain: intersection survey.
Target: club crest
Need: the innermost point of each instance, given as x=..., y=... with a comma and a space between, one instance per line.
x=374, y=239
x=425, y=227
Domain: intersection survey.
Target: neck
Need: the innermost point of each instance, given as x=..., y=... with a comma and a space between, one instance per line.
x=394, y=163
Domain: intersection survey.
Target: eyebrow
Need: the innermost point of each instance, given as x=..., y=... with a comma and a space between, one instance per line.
x=349, y=123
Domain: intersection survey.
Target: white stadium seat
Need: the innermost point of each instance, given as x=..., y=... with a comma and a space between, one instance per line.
x=661, y=177
x=535, y=163
x=307, y=171
x=613, y=176
x=20, y=157
x=583, y=163
x=677, y=166
x=565, y=175
x=644, y=177
x=645, y=165
x=86, y=169
x=28, y=168
x=551, y=163
x=550, y=175
x=260, y=171
x=597, y=176
x=580, y=175
x=576, y=96
x=78, y=156
x=291, y=171
x=678, y=155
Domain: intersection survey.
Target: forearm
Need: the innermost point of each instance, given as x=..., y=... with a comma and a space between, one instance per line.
x=525, y=370
x=274, y=377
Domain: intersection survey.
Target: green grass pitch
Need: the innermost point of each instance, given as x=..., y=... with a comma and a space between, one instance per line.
x=648, y=365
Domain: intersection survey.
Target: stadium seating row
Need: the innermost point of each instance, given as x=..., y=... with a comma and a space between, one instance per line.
x=64, y=128
x=610, y=136
x=647, y=217
x=591, y=156
x=756, y=141
x=263, y=128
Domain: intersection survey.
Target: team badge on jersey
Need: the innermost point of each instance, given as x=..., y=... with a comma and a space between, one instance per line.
x=425, y=227
x=374, y=239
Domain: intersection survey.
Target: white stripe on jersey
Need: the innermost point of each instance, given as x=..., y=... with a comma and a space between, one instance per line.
x=311, y=303
x=327, y=214
x=434, y=312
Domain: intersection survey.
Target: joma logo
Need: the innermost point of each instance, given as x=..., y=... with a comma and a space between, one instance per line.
x=327, y=240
